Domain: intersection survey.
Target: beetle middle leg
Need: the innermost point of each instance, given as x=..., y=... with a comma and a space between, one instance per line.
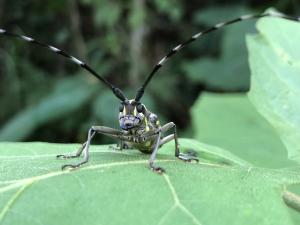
x=76, y=154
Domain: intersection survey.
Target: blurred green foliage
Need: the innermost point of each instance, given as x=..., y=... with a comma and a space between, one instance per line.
x=229, y=71
x=275, y=81
x=239, y=128
x=46, y=98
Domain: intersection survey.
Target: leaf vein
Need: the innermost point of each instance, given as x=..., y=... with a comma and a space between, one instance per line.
x=58, y=173
x=177, y=202
x=12, y=200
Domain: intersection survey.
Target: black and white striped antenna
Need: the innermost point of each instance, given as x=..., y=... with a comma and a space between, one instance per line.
x=218, y=26
x=117, y=92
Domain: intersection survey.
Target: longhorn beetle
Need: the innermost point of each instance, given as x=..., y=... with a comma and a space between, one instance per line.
x=140, y=128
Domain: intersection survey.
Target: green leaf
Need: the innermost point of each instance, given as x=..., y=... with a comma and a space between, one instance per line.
x=230, y=71
x=171, y=8
x=68, y=96
x=118, y=188
x=231, y=121
x=105, y=108
x=215, y=14
x=106, y=12
x=275, y=82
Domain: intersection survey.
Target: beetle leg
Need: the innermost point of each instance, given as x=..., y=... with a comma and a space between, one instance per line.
x=166, y=139
x=85, y=151
x=85, y=147
x=76, y=154
x=167, y=127
x=187, y=157
x=155, y=168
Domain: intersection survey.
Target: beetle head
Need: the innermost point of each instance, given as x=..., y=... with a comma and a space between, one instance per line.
x=131, y=114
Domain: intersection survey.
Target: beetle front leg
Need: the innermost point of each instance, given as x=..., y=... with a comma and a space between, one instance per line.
x=153, y=156
x=84, y=149
x=76, y=154
x=187, y=157
x=85, y=146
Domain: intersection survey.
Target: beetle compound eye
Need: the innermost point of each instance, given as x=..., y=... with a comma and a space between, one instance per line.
x=121, y=108
x=140, y=108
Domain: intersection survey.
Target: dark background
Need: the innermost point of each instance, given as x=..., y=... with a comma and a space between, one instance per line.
x=44, y=97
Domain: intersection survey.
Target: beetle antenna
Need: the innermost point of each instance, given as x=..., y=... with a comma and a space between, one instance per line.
x=218, y=26
x=117, y=92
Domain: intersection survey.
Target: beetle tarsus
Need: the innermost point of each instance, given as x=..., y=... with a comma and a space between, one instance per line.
x=186, y=157
x=72, y=155
x=72, y=166
x=66, y=156
x=68, y=165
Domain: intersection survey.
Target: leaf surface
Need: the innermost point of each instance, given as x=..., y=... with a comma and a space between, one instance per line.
x=118, y=188
x=232, y=122
x=275, y=67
